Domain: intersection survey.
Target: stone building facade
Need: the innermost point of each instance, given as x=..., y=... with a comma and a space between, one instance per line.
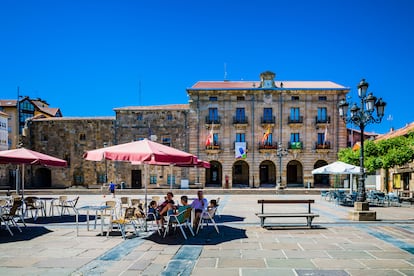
x=285, y=129
x=260, y=133
x=68, y=138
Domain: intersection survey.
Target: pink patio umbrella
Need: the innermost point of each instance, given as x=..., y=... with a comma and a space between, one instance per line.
x=145, y=152
x=25, y=156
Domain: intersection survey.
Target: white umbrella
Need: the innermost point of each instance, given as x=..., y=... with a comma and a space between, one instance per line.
x=338, y=167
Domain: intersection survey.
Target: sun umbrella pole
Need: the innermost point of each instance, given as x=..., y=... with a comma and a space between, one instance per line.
x=171, y=177
x=146, y=195
x=22, y=181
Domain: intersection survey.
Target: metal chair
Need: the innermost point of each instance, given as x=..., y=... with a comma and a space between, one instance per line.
x=128, y=218
x=206, y=217
x=179, y=220
x=33, y=204
x=9, y=218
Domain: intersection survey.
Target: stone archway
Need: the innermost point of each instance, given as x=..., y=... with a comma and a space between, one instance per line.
x=240, y=174
x=320, y=180
x=214, y=174
x=267, y=174
x=294, y=174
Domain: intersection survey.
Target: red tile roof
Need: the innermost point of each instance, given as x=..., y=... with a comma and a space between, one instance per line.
x=156, y=107
x=396, y=133
x=6, y=103
x=256, y=84
x=74, y=118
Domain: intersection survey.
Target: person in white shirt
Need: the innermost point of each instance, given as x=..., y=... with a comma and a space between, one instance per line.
x=199, y=205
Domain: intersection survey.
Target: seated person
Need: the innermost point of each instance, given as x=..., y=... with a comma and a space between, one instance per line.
x=199, y=204
x=184, y=204
x=167, y=207
x=181, y=208
x=213, y=204
x=153, y=212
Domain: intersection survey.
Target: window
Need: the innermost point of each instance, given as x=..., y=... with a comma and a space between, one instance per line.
x=240, y=137
x=322, y=114
x=294, y=137
x=321, y=138
x=213, y=114
x=267, y=115
x=213, y=99
x=322, y=98
x=240, y=115
x=295, y=98
x=169, y=117
x=101, y=178
x=240, y=98
x=295, y=114
x=166, y=141
x=269, y=139
x=44, y=138
x=153, y=179
x=169, y=178
x=82, y=137
x=139, y=117
x=215, y=139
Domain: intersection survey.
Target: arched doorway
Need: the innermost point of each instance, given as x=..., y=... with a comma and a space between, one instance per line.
x=294, y=174
x=267, y=174
x=42, y=178
x=214, y=174
x=240, y=177
x=320, y=180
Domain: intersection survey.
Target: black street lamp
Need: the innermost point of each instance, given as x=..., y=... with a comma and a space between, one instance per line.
x=362, y=116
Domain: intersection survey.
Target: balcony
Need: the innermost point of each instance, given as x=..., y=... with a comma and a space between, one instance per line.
x=268, y=120
x=323, y=146
x=295, y=145
x=240, y=120
x=295, y=120
x=213, y=120
x=323, y=120
x=267, y=147
x=214, y=148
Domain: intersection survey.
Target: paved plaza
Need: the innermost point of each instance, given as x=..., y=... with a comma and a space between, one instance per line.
x=335, y=246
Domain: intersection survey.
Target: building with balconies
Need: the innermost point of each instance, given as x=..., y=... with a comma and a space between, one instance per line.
x=249, y=123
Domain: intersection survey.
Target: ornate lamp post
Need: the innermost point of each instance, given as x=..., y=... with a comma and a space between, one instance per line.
x=361, y=116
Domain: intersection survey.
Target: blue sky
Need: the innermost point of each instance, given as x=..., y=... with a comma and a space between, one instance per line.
x=89, y=57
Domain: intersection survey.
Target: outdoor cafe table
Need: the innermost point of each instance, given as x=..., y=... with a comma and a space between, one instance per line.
x=45, y=200
x=93, y=208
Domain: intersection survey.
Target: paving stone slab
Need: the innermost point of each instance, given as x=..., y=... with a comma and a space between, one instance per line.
x=305, y=272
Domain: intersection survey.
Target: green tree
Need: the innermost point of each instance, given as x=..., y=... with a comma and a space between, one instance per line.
x=383, y=154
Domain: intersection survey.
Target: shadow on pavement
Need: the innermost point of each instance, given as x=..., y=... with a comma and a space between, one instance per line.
x=28, y=233
x=59, y=219
x=206, y=236
x=228, y=218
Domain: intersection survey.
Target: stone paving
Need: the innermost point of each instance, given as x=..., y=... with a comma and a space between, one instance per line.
x=335, y=246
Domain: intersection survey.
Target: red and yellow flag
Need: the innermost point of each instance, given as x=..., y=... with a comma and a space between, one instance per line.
x=266, y=135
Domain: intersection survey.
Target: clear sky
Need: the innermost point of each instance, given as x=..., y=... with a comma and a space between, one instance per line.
x=89, y=57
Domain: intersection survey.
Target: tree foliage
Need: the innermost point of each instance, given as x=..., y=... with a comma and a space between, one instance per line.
x=384, y=154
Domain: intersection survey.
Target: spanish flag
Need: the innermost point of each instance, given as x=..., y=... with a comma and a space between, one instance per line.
x=266, y=135
x=210, y=137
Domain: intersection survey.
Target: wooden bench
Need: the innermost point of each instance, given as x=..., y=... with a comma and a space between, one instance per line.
x=308, y=215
